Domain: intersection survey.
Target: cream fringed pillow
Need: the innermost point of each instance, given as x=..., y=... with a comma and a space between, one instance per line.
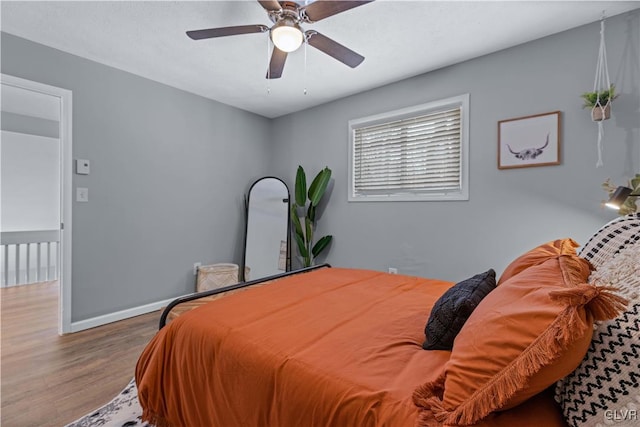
x=622, y=272
x=524, y=336
x=605, y=389
x=617, y=234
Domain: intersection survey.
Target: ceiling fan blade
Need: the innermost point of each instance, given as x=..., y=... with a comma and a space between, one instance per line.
x=321, y=9
x=270, y=5
x=226, y=31
x=333, y=48
x=276, y=65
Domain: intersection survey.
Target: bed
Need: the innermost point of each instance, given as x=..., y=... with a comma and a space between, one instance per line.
x=346, y=347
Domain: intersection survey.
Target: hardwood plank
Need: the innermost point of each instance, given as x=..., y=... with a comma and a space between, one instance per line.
x=49, y=380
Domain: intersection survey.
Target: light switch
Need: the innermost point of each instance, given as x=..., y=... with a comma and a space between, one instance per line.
x=82, y=166
x=82, y=194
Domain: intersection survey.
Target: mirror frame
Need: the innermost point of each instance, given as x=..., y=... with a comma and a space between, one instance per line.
x=247, y=200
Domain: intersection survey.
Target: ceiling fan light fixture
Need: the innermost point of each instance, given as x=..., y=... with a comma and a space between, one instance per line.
x=286, y=35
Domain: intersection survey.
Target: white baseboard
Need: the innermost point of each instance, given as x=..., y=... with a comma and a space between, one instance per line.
x=119, y=315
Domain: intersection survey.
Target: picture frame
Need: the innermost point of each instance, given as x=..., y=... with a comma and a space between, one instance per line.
x=529, y=141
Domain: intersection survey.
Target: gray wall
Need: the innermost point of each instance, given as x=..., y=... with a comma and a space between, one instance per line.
x=168, y=174
x=30, y=182
x=509, y=211
x=169, y=169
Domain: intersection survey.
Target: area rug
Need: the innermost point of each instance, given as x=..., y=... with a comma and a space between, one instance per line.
x=123, y=411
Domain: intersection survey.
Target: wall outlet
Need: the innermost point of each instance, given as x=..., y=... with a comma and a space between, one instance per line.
x=196, y=266
x=393, y=270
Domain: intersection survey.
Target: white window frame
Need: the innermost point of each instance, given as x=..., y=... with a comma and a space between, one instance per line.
x=461, y=101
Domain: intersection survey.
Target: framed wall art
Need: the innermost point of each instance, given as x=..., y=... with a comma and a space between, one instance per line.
x=529, y=141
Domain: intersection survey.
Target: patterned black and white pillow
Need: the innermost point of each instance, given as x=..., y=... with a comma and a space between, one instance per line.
x=605, y=389
x=610, y=239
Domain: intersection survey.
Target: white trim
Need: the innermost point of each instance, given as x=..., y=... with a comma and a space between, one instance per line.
x=461, y=101
x=119, y=315
x=66, y=176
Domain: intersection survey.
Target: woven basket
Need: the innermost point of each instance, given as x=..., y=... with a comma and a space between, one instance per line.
x=216, y=276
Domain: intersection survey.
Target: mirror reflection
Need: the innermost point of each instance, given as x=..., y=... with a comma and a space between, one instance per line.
x=267, y=229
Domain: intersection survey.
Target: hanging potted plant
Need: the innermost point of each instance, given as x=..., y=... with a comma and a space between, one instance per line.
x=600, y=103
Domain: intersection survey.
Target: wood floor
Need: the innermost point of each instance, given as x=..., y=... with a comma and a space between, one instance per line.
x=51, y=380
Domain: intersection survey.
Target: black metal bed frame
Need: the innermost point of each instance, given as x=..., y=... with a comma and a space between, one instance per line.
x=198, y=295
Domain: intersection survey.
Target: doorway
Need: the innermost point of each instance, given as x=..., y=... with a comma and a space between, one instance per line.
x=36, y=159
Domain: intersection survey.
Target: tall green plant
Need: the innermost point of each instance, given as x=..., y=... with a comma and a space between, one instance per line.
x=308, y=201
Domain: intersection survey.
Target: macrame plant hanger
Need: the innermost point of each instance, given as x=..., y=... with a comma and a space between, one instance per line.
x=601, y=84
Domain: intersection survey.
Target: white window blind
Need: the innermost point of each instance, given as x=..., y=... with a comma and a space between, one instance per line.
x=411, y=154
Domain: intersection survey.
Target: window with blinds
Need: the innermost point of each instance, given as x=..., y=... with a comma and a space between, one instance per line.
x=417, y=153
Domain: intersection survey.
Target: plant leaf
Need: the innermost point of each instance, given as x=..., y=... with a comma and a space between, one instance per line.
x=301, y=187
x=319, y=186
x=311, y=213
x=304, y=253
x=320, y=245
x=308, y=237
x=600, y=98
x=296, y=220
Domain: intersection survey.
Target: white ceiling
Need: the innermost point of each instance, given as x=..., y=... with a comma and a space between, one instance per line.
x=399, y=39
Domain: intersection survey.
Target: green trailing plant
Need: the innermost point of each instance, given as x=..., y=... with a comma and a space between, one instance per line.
x=629, y=206
x=307, y=200
x=591, y=99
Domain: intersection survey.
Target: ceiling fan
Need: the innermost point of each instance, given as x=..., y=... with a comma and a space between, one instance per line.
x=287, y=34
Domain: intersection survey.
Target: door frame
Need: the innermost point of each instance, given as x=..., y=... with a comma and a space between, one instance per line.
x=66, y=190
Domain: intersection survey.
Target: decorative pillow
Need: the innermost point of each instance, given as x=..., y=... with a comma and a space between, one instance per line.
x=611, y=238
x=605, y=388
x=523, y=337
x=622, y=272
x=454, y=307
x=538, y=255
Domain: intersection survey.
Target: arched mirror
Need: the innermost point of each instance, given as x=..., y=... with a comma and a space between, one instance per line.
x=266, y=244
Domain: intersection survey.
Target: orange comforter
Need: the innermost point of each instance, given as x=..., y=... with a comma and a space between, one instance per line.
x=333, y=347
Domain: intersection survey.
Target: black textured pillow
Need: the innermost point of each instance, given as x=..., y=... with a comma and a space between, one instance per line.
x=454, y=307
